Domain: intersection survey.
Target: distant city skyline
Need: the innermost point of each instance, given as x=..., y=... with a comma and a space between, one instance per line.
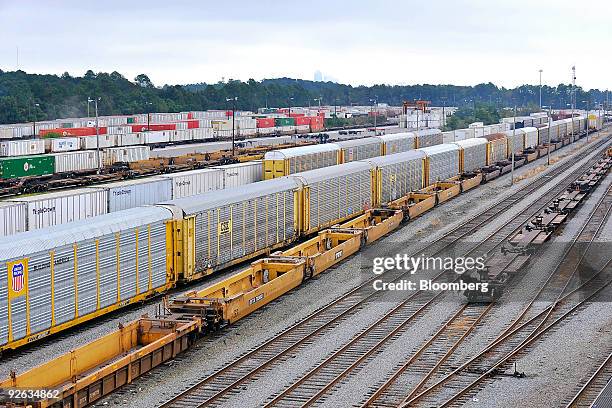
x=321, y=77
x=464, y=42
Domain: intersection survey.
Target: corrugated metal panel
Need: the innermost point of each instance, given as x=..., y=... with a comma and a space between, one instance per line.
x=12, y=218
x=306, y=158
x=80, y=238
x=530, y=137
x=400, y=173
x=337, y=192
x=543, y=133
x=127, y=154
x=62, y=144
x=203, y=202
x=498, y=146
x=62, y=207
x=443, y=161
x=398, y=142
x=194, y=182
x=241, y=220
x=515, y=140
x=76, y=161
x=429, y=137
x=91, y=142
x=474, y=153
x=134, y=193
x=22, y=147
x=360, y=149
x=241, y=173
x=3, y=311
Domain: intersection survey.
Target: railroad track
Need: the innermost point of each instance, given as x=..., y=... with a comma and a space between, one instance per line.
x=592, y=388
x=535, y=320
x=316, y=383
x=428, y=357
x=229, y=379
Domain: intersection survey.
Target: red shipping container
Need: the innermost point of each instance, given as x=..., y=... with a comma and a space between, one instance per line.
x=265, y=122
x=189, y=115
x=193, y=124
x=296, y=115
x=154, y=126
x=302, y=120
x=228, y=113
x=84, y=131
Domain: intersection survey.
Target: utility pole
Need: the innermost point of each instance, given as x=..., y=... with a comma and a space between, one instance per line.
x=548, y=141
x=587, y=120
x=512, y=147
x=374, y=106
x=95, y=101
x=573, y=97
x=36, y=105
x=540, y=89
x=234, y=99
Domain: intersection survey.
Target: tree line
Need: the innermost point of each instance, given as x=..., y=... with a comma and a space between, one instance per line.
x=26, y=97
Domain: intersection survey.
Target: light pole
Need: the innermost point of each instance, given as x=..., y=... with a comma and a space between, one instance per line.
x=540, y=71
x=443, y=113
x=234, y=99
x=512, y=147
x=36, y=105
x=587, y=120
x=95, y=101
x=374, y=103
x=548, y=142
x=290, y=99
x=148, y=109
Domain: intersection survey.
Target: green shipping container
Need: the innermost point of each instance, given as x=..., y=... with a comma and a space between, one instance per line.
x=26, y=166
x=284, y=122
x=67, y=125
x=130, y=120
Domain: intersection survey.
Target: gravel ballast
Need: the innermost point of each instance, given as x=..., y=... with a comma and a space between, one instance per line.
x=296, y=305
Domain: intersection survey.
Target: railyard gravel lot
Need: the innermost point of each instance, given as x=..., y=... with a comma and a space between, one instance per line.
x=155, y=388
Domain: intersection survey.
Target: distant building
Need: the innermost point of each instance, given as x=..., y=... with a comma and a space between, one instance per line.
x=318, y=76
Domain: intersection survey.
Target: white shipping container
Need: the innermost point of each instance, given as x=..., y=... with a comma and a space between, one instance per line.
x=6, y=133
x=126, y=154
x=130, y=139
x=134, y=193
x=90, y=142
x=241, y=123
x=76, y=161
x=246, y=132
x=241, y=173
x=222, y=134
x=180, y=136
x=12, y=218
x=156, y=136
x=194, y=182
x=200, y=133
x=265, y=131
x=22, y=147
x=181, y=125
x=118, y=130
x=302, y=128
x=62, y=144
x=44, y=210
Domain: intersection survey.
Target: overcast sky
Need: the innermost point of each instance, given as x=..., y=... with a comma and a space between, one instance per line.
x=358, y=42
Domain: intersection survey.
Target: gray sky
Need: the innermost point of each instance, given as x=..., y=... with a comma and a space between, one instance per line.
x=358, y=42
